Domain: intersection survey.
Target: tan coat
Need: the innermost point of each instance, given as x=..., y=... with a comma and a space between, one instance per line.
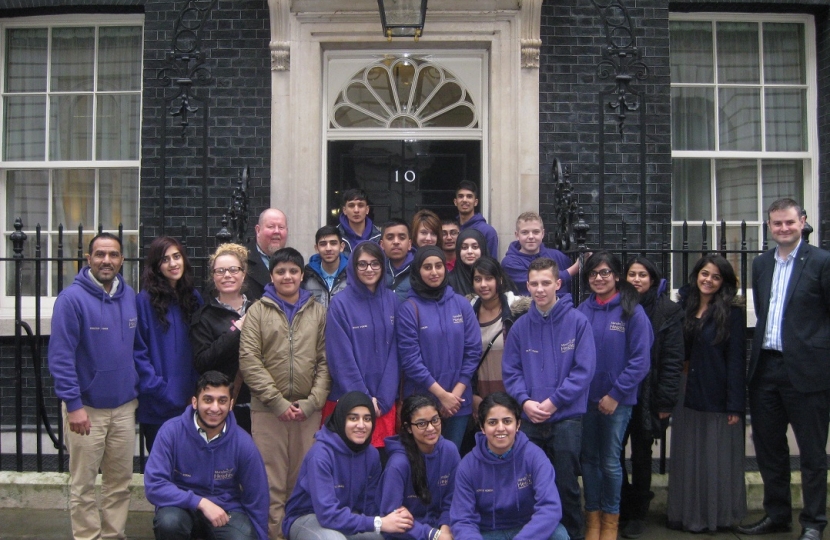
x=283, y=365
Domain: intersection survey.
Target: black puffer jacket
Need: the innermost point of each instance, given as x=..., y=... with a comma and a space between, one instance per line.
x=659, y=390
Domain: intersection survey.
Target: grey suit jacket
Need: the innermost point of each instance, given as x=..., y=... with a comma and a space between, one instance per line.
x=806, y=324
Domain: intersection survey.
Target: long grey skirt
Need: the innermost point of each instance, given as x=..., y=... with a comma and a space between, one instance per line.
x=707, y=490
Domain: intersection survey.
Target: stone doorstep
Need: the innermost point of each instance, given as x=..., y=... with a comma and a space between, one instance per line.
x=51, y=491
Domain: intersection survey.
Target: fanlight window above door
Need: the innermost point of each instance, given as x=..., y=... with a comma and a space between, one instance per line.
x=404, y=93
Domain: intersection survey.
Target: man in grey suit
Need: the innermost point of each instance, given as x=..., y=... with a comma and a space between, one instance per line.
x=789, y=372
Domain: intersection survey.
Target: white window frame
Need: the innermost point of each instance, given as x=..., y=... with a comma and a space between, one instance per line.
x=7, y=306
x=809, y=156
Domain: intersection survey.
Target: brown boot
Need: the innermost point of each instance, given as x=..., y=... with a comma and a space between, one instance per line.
x=608, y=528
x=592, y=525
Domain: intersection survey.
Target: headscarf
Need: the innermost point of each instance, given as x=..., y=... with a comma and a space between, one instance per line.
x=337, y=421
x=461, y=278
x=422, y=289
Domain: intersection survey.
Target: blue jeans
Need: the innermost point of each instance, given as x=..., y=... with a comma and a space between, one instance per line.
x=453, y=429
x=559, y=534
x=602, y=436
x=562, y=443
x=174, y=523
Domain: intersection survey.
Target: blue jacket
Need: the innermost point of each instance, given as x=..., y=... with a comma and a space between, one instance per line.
x=493, y=494
x=623, y=350
x=337, y=485
x=164, y=361
x=438, y=341
x=551, y=357
x=397, y=279
x=91, y=347
x=183, y=469
x=478, y=223
x=396, y=487
x=360, y=342
x=351, y=239
x=516, y=263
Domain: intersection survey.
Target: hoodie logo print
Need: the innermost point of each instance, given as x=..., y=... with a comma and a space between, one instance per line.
x=133, y=322
x=458, y=319
x=617, y=327
x=525, y=481
x=568, y=346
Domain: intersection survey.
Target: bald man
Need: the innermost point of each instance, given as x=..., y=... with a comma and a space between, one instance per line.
x=271, y=235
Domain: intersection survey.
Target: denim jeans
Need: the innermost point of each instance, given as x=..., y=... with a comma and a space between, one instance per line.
x=453, y=429
x=559, y=534
x=602, y=436
x=308, y=528
x=174, y=523
x=562, y=442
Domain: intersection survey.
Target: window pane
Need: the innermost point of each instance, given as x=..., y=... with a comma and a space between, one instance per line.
x=73, y=56
x=25, y=128
x=118, y=198
x=119, y=58
x=691, y=194
x=70, y=251
x=26, y=60
x=782, y=178
x=70, y=128
x=691, y=52
x=786, y=117
x=693, y=118
x=738, y=59
x=27, y=198
x=784, y=56
x=733, y=243
x=73, y=198
x=118, y=126
x=737, y=189
x=27, y=269
x=740, y=119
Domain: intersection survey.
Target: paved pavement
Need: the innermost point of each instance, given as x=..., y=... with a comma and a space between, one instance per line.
x=17, y=524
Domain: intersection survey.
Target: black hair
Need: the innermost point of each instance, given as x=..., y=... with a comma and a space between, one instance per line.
x=495, y=399
x=394, y=222
x=107, y=236
x=214, y=379
x=450, y=221
x=417, y=463
x=286, y=255
x=469, y=186
x=721, y=303
x=354, y=194
x=651, y=268
x=162, y=295
x=327, y=230
x=489, y=266
x=629, y=297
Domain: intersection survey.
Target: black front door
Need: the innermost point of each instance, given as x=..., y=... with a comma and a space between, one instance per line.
x=401, y=177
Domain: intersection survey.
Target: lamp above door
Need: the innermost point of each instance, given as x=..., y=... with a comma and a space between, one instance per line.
x=402, y=18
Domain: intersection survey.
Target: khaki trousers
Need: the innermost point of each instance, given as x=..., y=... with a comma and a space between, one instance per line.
x=110, y=447
x=283, y=446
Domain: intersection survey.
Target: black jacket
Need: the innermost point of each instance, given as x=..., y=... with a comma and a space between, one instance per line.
x=215, y=342
x=659, y=390
x=257, y=276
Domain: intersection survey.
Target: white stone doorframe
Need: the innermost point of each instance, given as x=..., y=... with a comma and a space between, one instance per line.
x=302, y=30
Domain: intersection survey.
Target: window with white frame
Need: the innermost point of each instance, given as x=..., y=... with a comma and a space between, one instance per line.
x=743, y=95
x=70, y=136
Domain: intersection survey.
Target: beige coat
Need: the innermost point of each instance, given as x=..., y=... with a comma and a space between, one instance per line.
x=283, y=365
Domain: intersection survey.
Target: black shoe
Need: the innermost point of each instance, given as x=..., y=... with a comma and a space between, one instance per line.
x=810, y=534
x=633, y=529
x=764, y=526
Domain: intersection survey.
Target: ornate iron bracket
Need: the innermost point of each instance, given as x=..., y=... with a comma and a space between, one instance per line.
x=238, y=210
x=185, y=59
x=621, y=58
x=570, y=229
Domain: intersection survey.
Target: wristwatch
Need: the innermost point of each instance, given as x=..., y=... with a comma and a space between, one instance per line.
x=378, y=523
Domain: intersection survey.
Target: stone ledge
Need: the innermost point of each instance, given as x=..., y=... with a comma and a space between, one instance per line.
x=51, y=491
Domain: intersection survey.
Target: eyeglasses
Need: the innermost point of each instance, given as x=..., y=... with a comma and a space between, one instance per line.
x=232, y=270
x=604, y=273
x=435, y=421
x=363, y=265
x=452, y=233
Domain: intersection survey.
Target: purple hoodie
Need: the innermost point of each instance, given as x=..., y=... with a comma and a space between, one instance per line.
x=478, y=223
x=623, y=349
x=438, y=341
x=396, y=487
x=516, y=263
x=183, y=469
x=289, y=309
x=351, y=238
x=91, y=347
x=337, y=485
x=360, y=342
x=551, y=357
x=493, y=494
